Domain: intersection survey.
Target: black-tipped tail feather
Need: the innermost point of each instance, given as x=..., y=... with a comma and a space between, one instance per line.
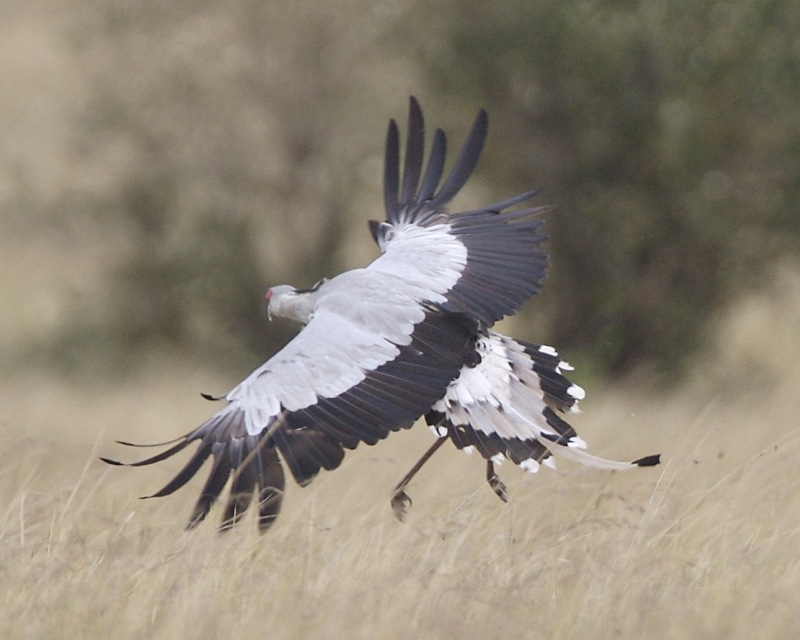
x=648, y=461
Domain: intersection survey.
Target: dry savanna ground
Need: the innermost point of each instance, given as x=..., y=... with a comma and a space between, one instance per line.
x=705, y=545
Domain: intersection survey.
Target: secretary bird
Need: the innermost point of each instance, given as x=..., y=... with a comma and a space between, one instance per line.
x=408, y=336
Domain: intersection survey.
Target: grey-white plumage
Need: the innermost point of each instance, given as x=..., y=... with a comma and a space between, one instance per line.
x=405, y=337
x=354, y=323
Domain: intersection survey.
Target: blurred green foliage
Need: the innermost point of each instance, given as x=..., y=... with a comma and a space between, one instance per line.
x=667, y=134
x=207, y=139
x=229, y=146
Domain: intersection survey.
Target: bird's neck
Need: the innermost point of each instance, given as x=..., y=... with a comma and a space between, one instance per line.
x=297, y=307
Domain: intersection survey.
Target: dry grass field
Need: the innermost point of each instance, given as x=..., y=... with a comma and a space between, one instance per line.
x=705, y=545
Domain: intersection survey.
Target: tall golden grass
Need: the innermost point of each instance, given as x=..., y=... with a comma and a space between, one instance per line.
x=705, y=545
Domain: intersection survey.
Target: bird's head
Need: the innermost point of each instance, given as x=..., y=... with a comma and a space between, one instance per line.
x=279, y=300
x=285, y=301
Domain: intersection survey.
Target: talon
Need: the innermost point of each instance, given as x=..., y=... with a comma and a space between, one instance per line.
x=400, y=502
x=499, y=488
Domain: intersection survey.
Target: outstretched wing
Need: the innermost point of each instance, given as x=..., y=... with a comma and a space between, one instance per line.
x=506, y=407
x=367, y=363
x=497, y=255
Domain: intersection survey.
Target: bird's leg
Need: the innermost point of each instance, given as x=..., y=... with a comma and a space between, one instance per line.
x=495, y=483
x=400, y=499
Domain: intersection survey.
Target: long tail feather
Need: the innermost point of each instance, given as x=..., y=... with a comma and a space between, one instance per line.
x=588, y=460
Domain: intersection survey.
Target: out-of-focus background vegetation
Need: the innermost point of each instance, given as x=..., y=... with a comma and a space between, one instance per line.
x=188, y=156
x=162, y=164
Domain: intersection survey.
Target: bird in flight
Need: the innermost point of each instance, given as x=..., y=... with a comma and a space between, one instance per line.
x=406, y=337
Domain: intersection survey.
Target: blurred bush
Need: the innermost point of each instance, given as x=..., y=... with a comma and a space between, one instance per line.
x=223, y=147
x=667, y=134
x=210, y=150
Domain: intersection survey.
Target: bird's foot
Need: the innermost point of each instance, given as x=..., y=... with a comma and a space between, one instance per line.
x=498, y=487
x=400, y=504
